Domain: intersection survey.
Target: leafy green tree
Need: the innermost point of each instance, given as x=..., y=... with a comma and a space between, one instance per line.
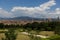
x=10, y=35
x=35, y=26
x=57, y=30
x=2, y=25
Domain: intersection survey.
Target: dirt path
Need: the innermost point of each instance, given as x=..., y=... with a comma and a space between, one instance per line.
x=35, y=35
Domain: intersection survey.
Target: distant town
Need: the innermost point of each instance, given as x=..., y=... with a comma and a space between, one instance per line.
x=25, y=21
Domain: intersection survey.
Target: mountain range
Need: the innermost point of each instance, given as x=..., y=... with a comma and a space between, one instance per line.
x=26, y=18
x=20, y=18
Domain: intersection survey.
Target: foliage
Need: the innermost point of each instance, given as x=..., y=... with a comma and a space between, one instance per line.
x=36, y=26
x=10, y=35
x=56, y=37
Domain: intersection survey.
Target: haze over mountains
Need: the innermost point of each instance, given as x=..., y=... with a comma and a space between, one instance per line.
x=27, y=18
x=20, y=18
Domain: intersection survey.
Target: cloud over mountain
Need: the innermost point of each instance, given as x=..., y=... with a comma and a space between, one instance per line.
x=5, y=14
x=42, y=10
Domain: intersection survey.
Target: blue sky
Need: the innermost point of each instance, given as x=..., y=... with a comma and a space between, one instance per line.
x=8, y=4
x=19, y=8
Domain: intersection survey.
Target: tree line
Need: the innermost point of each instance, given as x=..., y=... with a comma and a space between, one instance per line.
x=42, y=26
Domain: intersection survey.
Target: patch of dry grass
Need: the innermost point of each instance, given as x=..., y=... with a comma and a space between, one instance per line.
x=47, y=33
x=2, y=36
x=22, y=37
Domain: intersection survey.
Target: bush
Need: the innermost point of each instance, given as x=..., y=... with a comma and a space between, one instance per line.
x=56, y=37
x=10, y=35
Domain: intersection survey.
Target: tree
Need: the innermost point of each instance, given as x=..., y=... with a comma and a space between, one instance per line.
x=10, y=35
x=57, y=30
x=1, y=25
x=35, y=26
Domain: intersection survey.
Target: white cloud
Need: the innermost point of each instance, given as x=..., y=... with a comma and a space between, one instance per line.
x=42, y=7
x=5, y=14
x=47, y=5
x=42, y=10
x=57, y=10
x=34, y=11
